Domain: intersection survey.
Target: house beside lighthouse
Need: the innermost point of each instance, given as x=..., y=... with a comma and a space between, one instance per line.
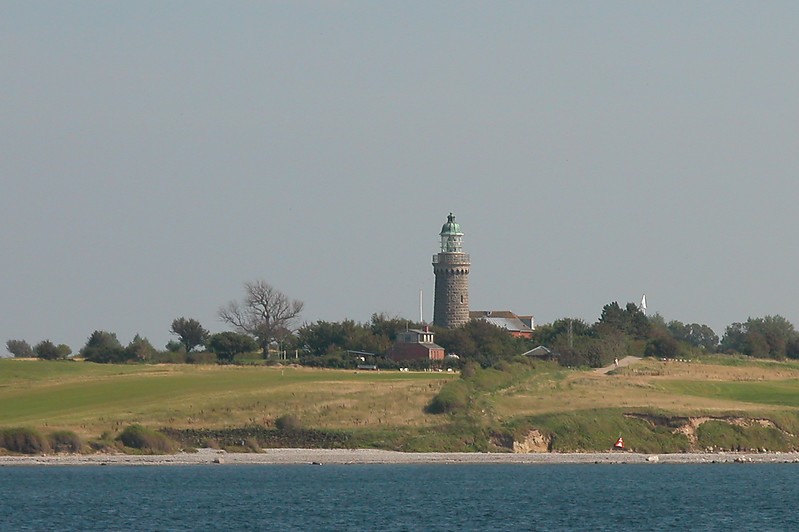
x=451, y=268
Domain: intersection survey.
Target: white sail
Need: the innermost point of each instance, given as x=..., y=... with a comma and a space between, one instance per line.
x=643, y=304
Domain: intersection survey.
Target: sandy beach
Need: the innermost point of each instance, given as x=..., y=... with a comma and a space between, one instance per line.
x=373, y=456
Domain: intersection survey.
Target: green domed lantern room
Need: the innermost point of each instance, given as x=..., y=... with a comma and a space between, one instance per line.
x=451, y=268
x=451, y=236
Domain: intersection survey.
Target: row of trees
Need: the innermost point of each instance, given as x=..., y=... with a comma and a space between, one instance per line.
x=45, y=349
x=621, y=331
x=105, y=347
x=264, y=319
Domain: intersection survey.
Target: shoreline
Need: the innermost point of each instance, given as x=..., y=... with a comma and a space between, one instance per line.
x=376, y=456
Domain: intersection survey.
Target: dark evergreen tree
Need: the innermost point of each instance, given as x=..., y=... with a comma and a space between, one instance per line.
x=103, y=347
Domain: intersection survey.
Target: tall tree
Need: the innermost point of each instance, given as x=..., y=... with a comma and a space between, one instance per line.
x=613, y=316
x=266, y=313
x=19, y=348
x=629, y=320
x=190, y=332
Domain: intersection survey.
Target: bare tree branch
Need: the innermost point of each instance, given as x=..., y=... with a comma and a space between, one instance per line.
x=265, y=313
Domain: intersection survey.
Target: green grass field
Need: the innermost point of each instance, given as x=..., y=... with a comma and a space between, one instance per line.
x=660, y=406
x=779, y=393
x=92, y=398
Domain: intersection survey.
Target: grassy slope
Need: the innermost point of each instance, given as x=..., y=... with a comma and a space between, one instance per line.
x=92, y=398
x=585, y=410
x=577, y=409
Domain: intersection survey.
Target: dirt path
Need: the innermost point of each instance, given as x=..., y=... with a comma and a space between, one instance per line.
x=626, y=361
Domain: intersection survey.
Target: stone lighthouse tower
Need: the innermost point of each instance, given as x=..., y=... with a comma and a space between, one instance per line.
x=451, y=267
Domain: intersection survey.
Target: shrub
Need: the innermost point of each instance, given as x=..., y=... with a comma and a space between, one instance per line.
x=288, y=423
x=23, y=440
x=254, y=358
x=146, y=440
x=454, y=396
x=252, y=445
x=211, y=443
x=169, y=357
x=105, y=443
x=469, y=369
x=65, y=441
x=203, y=357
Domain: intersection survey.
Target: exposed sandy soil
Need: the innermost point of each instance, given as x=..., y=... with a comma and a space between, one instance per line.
x=372, y=456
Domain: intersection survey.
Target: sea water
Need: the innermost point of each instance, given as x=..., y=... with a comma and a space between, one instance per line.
x=401, y=497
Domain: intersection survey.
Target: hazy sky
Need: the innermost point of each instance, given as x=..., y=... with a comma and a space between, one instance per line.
x=154, y=156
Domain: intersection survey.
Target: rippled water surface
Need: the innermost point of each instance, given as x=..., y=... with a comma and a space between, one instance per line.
x=401, y=497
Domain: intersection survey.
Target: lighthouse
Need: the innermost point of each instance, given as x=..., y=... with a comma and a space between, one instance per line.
x=451, y=268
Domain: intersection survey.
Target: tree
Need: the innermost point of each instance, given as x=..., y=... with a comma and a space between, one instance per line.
x=388, y=326
x=770, y=336
x=228, y=344
x=266, y=313
x=190, y=332
x=64, y=351
x=562, y=332
x=662, y=346
x=47, y=350
x=173, y=346
x=103, y=346
x=637, y=323
x=613, y=316
x=139, y=349
x=629, y=320
x=481, y=342
x=694, y=334
x=322, y=338
x=19, y=348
